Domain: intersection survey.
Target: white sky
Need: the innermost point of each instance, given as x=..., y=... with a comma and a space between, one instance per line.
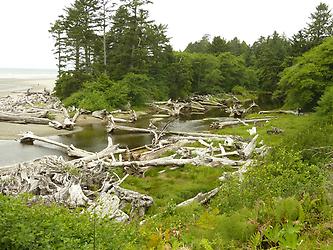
x=26, y=43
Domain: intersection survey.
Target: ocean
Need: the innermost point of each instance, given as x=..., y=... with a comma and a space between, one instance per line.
x=27, y=74
x=13, y=79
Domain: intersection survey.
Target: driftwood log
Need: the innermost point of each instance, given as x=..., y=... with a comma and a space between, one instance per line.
x=220, y=125
x=201, y=198
x=289, y=112
x=51, y=179
x=23, y=119
x=29, y=138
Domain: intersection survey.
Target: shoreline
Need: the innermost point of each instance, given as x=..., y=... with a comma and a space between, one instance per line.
x=13, y=86
x=11, y=131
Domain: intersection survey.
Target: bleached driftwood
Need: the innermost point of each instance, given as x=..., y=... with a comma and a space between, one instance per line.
x=201, y=198
x=290, y=112
x=68, y=123
x=168, y=161
x=109, y=151
x=51, y=179
x=23, y=119
x=29, y=138
x=248, y=150
x=220, y=125
x=238, y=111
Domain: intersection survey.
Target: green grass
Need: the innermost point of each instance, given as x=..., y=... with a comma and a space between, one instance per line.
x=284, y=202
x=291, y=124
x=174, y=186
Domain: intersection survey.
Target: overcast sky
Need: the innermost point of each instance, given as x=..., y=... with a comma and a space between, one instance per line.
x=26, y=43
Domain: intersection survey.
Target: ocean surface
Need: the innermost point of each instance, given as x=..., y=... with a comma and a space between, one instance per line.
x=27, y=74
x=12, y=79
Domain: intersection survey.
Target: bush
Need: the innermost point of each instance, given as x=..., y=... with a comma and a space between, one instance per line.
x=325, y=104
x=283, y=174
x=69, y=83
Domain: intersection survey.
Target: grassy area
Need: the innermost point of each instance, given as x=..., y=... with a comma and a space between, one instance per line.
x=283, y=202
x=291, y=124
x=174, y=186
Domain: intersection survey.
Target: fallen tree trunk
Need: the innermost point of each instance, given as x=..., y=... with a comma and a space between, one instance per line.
x=29, y=138
x=248, y=150
x=220, y=125
x=290, y=112
x=113, y=128
x=202, y=135
x=167, y=161
x=109, y=151
x=201, y=198
x=68, y=123
x=23, y=119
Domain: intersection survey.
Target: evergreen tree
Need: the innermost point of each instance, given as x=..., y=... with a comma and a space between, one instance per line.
x=136, y=43
x=218, y=45
x=59, y=35
x=236, y=47
x=201, y=46
x=306, y=80
x=321, y=25
x=270, y=53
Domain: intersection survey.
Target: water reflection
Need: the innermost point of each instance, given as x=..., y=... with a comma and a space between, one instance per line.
x=93, y=138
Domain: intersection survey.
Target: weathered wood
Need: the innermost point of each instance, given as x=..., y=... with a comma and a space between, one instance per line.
x=72, y=151
x=109, y=151
x=248, y=150
x=201, y=198
x=220, y=125
x=290, y=112
x=49, y=179
x=23, y=119
x=167, y=161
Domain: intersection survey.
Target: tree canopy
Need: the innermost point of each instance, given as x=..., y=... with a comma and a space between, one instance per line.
x=120, y=42
x=304, y=82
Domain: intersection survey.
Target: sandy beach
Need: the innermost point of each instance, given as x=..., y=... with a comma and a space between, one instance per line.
x=11, y=86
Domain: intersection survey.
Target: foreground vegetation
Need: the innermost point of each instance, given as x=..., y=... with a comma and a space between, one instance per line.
x=285, y=201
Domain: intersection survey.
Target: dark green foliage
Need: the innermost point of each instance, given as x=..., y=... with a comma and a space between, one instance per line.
x=139, y=88
x=218, y=45
x=319, y=28
x=86, y=47
x=282, y=175
x=270, y=54
x=234, y=72
x=104, y=93
x=321, y=25
x=305, y=81
x=180, y=77
x=325, y=104
x=40, y=227
x=70, y=82
x=202, y=46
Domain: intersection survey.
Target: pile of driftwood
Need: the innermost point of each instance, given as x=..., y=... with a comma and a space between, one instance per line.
x=89, y=180
x=86, y=182
x=129, y=116
x=198, y=104
x=237, y=110
x=36, y=107
x=238, y=121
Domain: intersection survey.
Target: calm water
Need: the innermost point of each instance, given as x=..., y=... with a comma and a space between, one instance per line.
x=94, y=138
x=12, y=73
